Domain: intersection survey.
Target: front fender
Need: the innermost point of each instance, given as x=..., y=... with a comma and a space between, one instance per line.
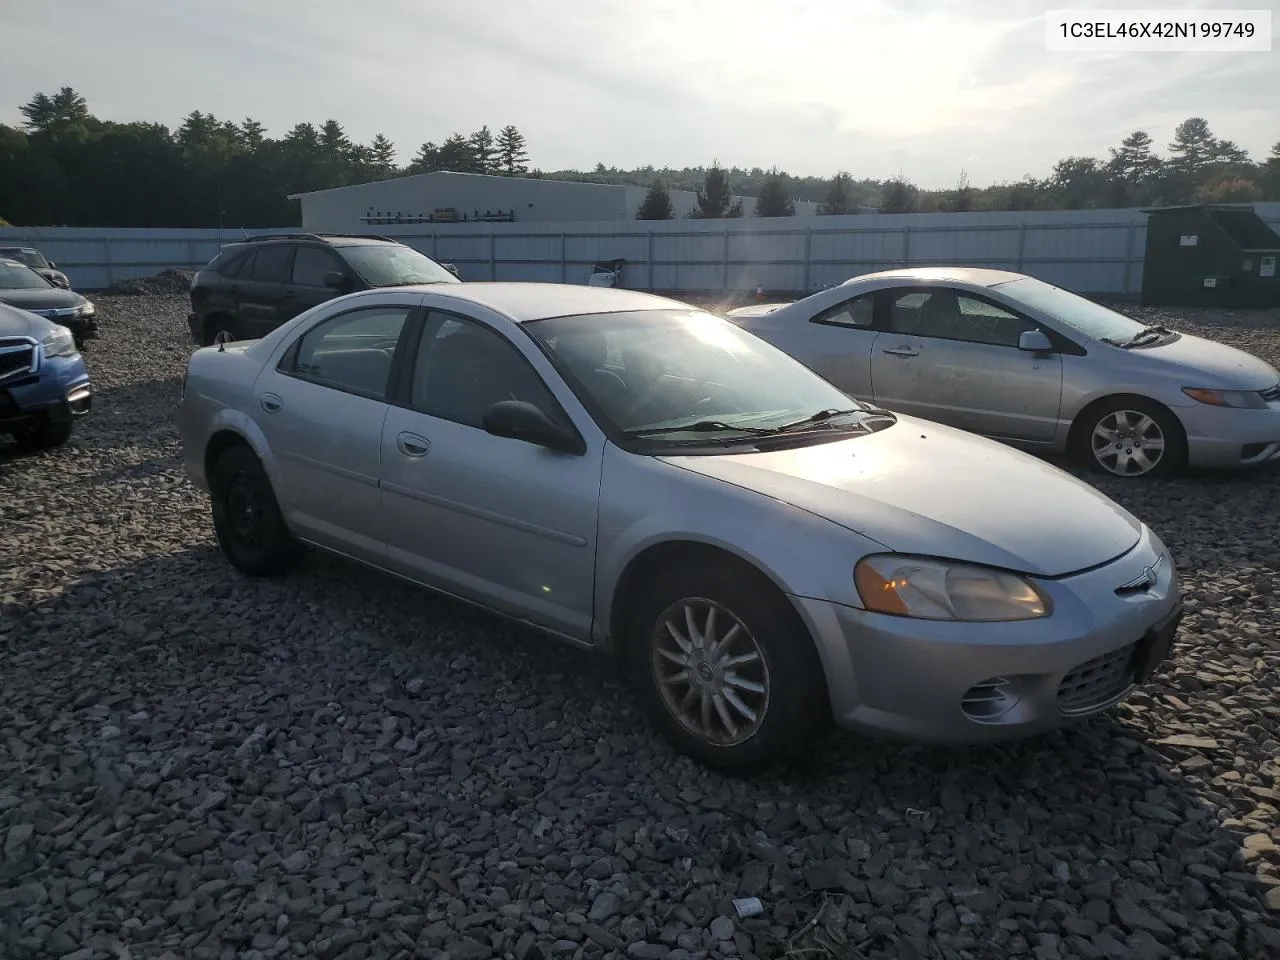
x=646, y=503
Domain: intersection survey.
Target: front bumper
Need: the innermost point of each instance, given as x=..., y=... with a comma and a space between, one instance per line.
x=1224, y=437
x=59, y=391
x=946, y=682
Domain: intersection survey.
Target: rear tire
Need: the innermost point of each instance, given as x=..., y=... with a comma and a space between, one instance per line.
x=1130, y=437
x=45, y=436
x=758, y=698
x=220, y=329
x=246, y=516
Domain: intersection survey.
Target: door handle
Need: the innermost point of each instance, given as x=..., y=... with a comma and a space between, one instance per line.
x=234, y=288
x=289, y=294
x=903, y=351
x=271, y=402
x=412, y=445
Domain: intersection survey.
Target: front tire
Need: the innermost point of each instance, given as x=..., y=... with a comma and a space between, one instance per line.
x=246, y=516
x=726, y=669
x=1130, y=437
x=46, y=435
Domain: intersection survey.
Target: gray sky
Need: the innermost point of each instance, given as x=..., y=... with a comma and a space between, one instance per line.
x=877, y=87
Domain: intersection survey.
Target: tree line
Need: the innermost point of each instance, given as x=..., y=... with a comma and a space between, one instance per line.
x=65, y=166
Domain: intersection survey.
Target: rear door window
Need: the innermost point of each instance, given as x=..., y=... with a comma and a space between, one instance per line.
x=274, y=263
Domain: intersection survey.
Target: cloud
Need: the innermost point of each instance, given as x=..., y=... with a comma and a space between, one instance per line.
x=874, y=87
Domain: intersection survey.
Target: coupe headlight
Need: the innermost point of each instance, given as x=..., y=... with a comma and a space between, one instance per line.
x=87, y=310
x=60, y=343
x=1243, y=399
x=938, y=590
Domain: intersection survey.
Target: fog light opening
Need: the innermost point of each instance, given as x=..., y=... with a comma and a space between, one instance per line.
x=988, y=701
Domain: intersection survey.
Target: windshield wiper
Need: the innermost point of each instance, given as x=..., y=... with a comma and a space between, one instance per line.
x=720, y=426
x=1154, y=332
x=700, y=426
x=819, y=417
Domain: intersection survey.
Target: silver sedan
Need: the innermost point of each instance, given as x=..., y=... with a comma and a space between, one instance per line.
x=645, y=479
x=1011, y=357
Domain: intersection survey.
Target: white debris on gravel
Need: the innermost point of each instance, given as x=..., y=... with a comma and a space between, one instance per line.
x=197, y=765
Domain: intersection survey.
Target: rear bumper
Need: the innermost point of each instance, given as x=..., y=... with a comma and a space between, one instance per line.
x=1219, y=437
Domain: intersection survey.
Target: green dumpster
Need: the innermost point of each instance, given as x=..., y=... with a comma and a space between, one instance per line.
x=1210, y=255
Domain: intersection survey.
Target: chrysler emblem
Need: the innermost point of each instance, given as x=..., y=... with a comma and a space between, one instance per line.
x=1147, y=580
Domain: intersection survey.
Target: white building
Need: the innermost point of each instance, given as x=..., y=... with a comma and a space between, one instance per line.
x=446, y=197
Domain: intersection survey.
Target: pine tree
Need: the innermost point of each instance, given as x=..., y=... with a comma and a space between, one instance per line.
x=1192, y=146
x=657, y=204
x=773, y=200
x=459, y=155
x=252, y=134
x=715, y=202
x=484, y=152
x=426, y=160
x=381, y=156
x=513, y=159
x=837, y=202
x=1134, y=163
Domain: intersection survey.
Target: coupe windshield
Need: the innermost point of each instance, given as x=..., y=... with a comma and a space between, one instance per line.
x=384, y=265
x=14, y=276
x=687, y=375
x=1091, y=319
x=31, y=258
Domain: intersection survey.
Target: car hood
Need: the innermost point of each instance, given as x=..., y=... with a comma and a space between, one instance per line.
x=918, y=487
x=20, y=323
x=1207, y=364
x=47, y=299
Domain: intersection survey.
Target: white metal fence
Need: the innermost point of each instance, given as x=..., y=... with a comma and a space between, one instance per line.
x=1092, y=251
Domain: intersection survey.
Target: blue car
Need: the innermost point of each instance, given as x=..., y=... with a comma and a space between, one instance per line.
x=44, y=385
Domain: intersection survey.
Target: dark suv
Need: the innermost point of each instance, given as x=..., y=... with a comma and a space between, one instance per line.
x=254, y=285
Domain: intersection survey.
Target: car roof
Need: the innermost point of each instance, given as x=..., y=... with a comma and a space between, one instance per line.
x=525, y=302
x=332, y=239
x=978, y=276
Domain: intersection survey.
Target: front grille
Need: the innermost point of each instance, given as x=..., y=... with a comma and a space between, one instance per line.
x=17, y=357
x=1097, y=682
x=1271, y=394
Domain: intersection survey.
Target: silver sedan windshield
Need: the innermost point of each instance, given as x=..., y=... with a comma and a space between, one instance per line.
x=658, y=370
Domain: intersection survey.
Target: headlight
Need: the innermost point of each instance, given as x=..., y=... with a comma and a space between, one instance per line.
x=87, y=310
x=60, y=343
x=1245, y=399
x=938, y=590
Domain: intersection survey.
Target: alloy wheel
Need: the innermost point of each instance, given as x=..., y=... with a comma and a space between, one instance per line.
x=1128, y=443
x=710, y=672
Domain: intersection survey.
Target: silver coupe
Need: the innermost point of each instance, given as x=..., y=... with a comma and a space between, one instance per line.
x=645, y=479
x=1012, y=357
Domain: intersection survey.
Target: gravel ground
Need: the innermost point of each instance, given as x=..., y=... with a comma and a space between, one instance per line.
x=196, y=765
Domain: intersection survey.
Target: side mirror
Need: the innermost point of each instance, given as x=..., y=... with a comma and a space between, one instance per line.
x=337, y=280
x=452, y=268
x=52, y=265
x=1034, y=341
x=518, y=420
